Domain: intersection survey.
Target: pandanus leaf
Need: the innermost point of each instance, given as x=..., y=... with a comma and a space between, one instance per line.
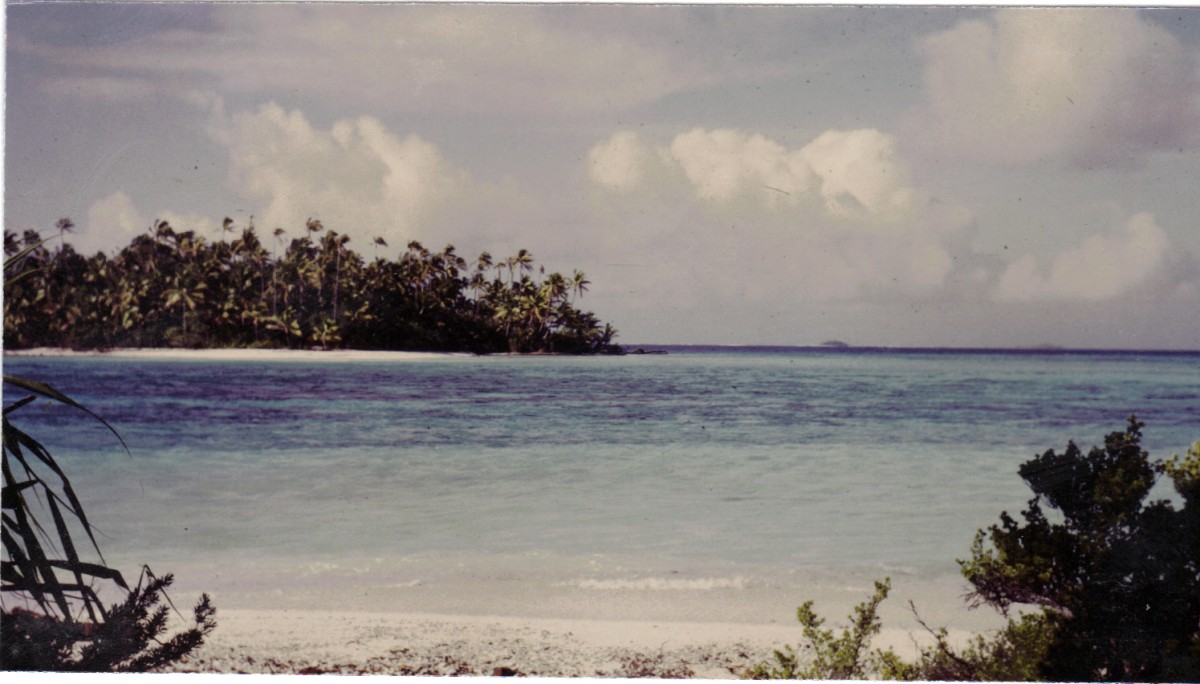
x=45, y=390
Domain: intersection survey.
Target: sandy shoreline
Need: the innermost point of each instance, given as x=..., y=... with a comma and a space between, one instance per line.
x=335, y=642
x=288, y=355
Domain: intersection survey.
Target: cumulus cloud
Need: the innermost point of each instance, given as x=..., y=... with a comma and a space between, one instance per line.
x=723, y=164
x=834, y=219
x=358, y=177
x=1102, y=267
x=860, y=173
x=619, y=163
x=1086, y=85
x=854, y=174
x=114, y=216
x=113, y=221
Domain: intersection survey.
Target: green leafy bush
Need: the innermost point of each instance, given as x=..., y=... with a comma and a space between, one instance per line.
x=1118, y=577
x=825, y=655
x=1014, y=654
x=1112, y=583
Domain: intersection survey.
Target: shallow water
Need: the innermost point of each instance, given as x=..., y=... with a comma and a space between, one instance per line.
x=704, y=484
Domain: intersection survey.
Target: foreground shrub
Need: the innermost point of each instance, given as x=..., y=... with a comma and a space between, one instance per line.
x=827, y=656
x=71, y=630
x=126, y=641
x=1014, y=654
x=1112, y=583
x=1118, y=578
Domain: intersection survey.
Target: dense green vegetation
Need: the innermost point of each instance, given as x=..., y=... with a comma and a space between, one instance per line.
x=1109, y=583
x=177, y=289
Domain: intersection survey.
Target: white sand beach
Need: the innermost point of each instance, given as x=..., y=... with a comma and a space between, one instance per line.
x=284, y=355
x=333, y=642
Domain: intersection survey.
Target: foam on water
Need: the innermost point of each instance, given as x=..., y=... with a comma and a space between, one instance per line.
x=660, y=584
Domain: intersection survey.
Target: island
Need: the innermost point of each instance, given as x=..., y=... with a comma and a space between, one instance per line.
x=176, y=289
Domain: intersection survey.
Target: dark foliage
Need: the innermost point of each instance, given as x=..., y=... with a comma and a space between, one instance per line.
x=1118, y=577
x=71, y=630
x=1110, y=583
x=1014, y=654
x=127, y=640
x=176, y=289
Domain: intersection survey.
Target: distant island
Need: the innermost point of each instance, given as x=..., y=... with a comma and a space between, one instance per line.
x=176, y=289
x=835, y=344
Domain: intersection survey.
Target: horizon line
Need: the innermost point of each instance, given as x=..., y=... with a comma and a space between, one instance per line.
x=1040, y=348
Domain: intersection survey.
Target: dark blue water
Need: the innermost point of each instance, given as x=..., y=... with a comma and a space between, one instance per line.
x=766, y=457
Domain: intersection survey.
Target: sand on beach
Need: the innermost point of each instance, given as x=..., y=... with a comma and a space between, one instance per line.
x=337, y=642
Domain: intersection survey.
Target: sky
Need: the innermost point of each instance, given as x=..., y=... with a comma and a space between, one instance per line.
x=899, y=176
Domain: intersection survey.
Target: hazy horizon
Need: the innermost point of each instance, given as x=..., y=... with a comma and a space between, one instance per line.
x=725, y=175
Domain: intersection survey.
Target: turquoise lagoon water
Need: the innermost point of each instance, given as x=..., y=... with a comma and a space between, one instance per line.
x=706, y=484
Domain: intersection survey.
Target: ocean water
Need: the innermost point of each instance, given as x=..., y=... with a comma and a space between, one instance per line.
x=706, y=484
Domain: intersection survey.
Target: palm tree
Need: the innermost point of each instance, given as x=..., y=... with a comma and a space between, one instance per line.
x=579, y=284
x=524, y=260
x=162, y=230
x=554, y=289
x=278, y=234
x=186, y=295
x=64, y=226
x=339, y=246
x=313, y=226
x=204, y=291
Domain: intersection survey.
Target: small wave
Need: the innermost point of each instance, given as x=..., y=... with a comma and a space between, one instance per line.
x=320, y=568
x=661, y=584
x=404, y=585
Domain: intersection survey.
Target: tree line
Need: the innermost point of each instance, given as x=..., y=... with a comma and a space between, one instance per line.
x=171, y=288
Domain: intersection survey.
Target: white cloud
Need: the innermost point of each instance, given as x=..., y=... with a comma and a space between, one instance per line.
x=357, y=177
x=835, y=219
x=111, y=221
x=1088, y=85
x=203, y=226
x=856, y=174
x=620, y=163
x=723, y=164
x=860, y=174
x=1102, y=267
